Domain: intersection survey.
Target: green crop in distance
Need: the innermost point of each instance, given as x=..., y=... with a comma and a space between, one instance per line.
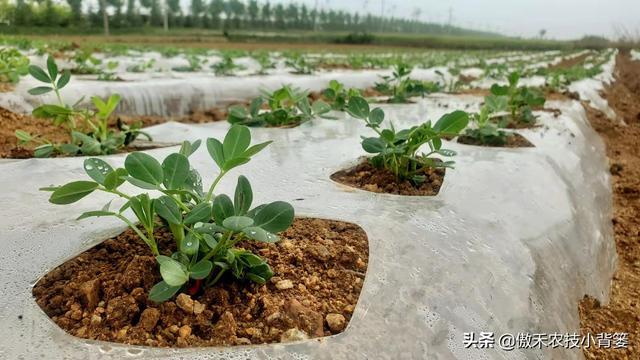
x=89, y=129
x=285, y=106
x=399, y=151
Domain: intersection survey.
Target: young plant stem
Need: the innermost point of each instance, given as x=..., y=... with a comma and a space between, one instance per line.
x=151, y=242
x=214, y=184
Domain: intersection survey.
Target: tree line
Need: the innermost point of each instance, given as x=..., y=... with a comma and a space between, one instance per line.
x=213, y=14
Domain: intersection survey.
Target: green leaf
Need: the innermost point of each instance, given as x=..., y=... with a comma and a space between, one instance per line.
x=199, y=213
x=144, y=167
x=194, y=182
x=64, y=79
x=115, y=178
x=69, y=149
x=446, y=152
x=39, y=74
x=188, y=148
x=358, y=107
x=190, y=244
x=237, y=223
x=49, y=110
x=320, y=107
x=142, y=207
x=162, y=259
x=452, y=123
x=376, y=116
x=72, y=192
x=373, y=145
x=97, y=169
x=162, y=291
x=141, y=184
x=173, y=273
x=222, y=208
x=23, y=136
x=176, y=170
x=43, y=151
x=499, y=90
x=235, y=162
x=236, y=141
x=514, y=77
x=260, y=234
x=167, y=208
x=52, y=67
x=275, y=217
x=40, y=90
x=215, y=149
x=237, y=113
x=496, y=103
x=97, y=213
x=254, y=149
x=201, y=269
x=90, y=146
x=243, y=196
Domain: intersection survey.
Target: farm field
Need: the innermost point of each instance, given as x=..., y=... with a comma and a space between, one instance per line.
x=411, y=199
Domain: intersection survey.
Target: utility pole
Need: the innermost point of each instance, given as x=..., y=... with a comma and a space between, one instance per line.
x=450, y=18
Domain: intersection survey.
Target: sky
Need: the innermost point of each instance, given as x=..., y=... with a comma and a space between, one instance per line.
x=563, y=19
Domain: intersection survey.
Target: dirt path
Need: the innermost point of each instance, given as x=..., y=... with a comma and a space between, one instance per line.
x=570, y=62
x=622, y=314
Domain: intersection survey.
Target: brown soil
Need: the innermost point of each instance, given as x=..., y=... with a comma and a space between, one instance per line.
x=6, y=87
x=10, y=121
x=366, y=177
x=569, y=63
x=515, y=140
x=549, y=94
x=622, y=313
x=101, y=294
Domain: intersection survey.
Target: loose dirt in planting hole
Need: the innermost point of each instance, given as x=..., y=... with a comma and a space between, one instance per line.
x=622, y=314
x=10, y=121
x=366, y=177
x=101, y=294
x=6, y=87
x=514, y=141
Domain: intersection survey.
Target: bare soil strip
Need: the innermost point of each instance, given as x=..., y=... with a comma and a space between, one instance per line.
x=10, y=121
x=570, y=62
x=622, y=313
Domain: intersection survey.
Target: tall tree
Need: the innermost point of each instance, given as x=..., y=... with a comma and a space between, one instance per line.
x=238, y=10
x=292, y=16
x=133, y=17
x=155, y=16
x=266, y=15
x=22, y=14
x=253, y=11
x=216, y=8
x=279, y=16
x=76, y=10
x=197, y=7
x=305, y=20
